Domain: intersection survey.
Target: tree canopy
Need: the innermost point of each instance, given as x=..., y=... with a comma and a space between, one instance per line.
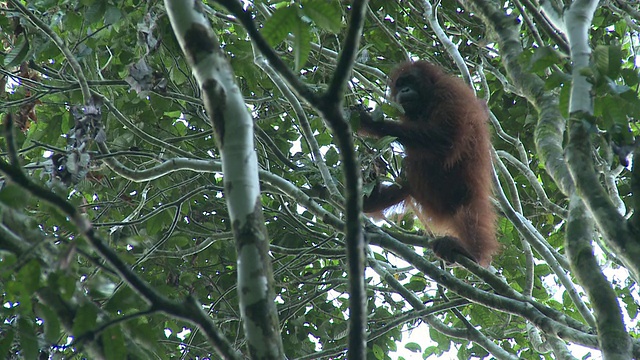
x=183, y=179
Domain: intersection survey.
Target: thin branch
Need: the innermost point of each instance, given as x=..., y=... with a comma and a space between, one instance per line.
x=470, y=333
x=246, y=19
x=450, y=47
x=536, y=240
x=347, y=57
x=550, y=325
x=549, y=134
x=188, y=310
x=307, y=132
x=75, y=65
x=533, y=181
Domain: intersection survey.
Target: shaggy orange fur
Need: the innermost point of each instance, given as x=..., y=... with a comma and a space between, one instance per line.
x=447, y=165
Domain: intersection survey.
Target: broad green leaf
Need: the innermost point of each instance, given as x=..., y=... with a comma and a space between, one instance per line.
x=114, y=337
x=325, y=14
x=608, y=60
x=378, y=352
x=302, y=43
x=6, y=341
x=17, y=54
x=51, y=324
x=85, y=319
x=28, y=338
x=413, y=347
x=282, y=22
x=29, y=275
x=13, y=195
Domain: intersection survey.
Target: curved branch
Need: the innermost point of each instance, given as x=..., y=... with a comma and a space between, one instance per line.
x=549, y=134
x=469, y=333
x=73, y=62
x=551, y=326
x=188, y=310
x=533, y=181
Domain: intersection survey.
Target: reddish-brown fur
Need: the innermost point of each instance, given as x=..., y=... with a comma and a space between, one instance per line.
x=448, y=161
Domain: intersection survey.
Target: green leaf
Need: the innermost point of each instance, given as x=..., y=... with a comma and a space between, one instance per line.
x=332, y=157
x=543, y=58
x=181, y=128
x=13, y=195
x=630, y=76
x=630, y=304
x=158, y=222
x=413, y=347
x=417, y=283
x=6, y=341
x=85, y=319
x=29, y=275
x=431, y=350
x=66, y=285
x=123, y=298
x=326, y=14
x=393, y=345
x=608, y=60
x=378, y=352
x=113, y=337
x=324, y=138
x=282, y=22
x=51, y=324
x=95, y=11
x=301, y=43
x=112, y=15
x=18, y=54
x=28, y=339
